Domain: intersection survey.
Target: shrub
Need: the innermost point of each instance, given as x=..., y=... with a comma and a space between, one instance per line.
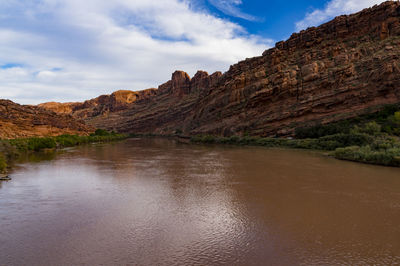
x=325, y=143
x=69, y=140
x=37, y=144
x=101, y=132
x=371, y=128
x=351, y=139
x=247, y=140
x=367, y=155
x=208, y=139
x=397, y=117
x=388, y=118
x=392, y=125
x=347, y=153
x=34, y=144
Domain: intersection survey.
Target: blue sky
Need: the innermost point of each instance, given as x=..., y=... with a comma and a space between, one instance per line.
x=73, y=50
x=275, y=19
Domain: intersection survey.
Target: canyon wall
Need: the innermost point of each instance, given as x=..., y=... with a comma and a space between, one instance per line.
x=18, y=121
x=341, y=69
x=100, y=106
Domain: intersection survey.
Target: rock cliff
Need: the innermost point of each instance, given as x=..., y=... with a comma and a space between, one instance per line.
x=102, y=105
x=28, y=121
x=343, y=68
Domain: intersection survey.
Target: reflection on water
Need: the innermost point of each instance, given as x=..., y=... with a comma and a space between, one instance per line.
x=156, y=202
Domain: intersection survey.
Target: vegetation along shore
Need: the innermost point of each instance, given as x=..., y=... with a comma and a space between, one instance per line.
x=11, y=149
x=373, y=138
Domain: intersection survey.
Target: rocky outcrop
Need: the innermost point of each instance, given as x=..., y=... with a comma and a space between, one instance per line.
x=181, y=83
x=61, y=108
x=203, y=82
x=117, y=101
x=102, y=105
x=343, y=68
x=27, y=121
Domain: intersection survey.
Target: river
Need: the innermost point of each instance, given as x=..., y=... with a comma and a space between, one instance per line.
x=158, y=202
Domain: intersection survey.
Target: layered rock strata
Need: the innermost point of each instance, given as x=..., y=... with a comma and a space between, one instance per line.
x=102, y=105
x=341, y=69
x=18, y=121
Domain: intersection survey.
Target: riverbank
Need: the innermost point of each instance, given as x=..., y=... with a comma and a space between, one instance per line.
x=372, y=138
x=377, y=147
x=380, y=150
x=11, y=149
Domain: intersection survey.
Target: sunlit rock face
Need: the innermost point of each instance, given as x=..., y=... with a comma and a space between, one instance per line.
x=102, y=105
x=28, y=121
x=341, y=69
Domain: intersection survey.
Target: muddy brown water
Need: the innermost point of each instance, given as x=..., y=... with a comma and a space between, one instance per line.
x=158, y=202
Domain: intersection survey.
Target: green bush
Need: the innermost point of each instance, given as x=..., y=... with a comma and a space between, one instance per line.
x=101, y=132
x=37, y=144
x=392, y=125
x=397, y=117
x=70, y=140
x=366, y=154
x=34, y=144
x=388, y=118
x=343, y=140
x=325, y=143
x=371, y=128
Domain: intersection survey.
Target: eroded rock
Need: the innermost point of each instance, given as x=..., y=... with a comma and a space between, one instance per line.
x=343, y=68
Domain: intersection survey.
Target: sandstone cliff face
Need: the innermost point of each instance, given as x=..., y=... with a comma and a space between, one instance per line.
x=165, y=112
x=117, y=101
x=61, y=108
x=181, y=83
x=27, y=121
x=343, y=68
x=102, y=105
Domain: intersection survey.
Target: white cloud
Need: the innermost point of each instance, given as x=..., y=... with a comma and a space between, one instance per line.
x=332, y=9
x=75, y=50
x=230, y=7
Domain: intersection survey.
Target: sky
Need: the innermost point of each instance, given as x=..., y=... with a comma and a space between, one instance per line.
x=74, y=50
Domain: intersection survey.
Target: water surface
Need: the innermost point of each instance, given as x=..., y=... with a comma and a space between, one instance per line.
x=158, y=202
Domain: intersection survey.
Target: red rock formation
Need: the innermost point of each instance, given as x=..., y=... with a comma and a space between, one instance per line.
x=61, y=108
x=202, y=81
x=343, y=68
x=28, y=121
x=181, y=83
x=102, y=105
